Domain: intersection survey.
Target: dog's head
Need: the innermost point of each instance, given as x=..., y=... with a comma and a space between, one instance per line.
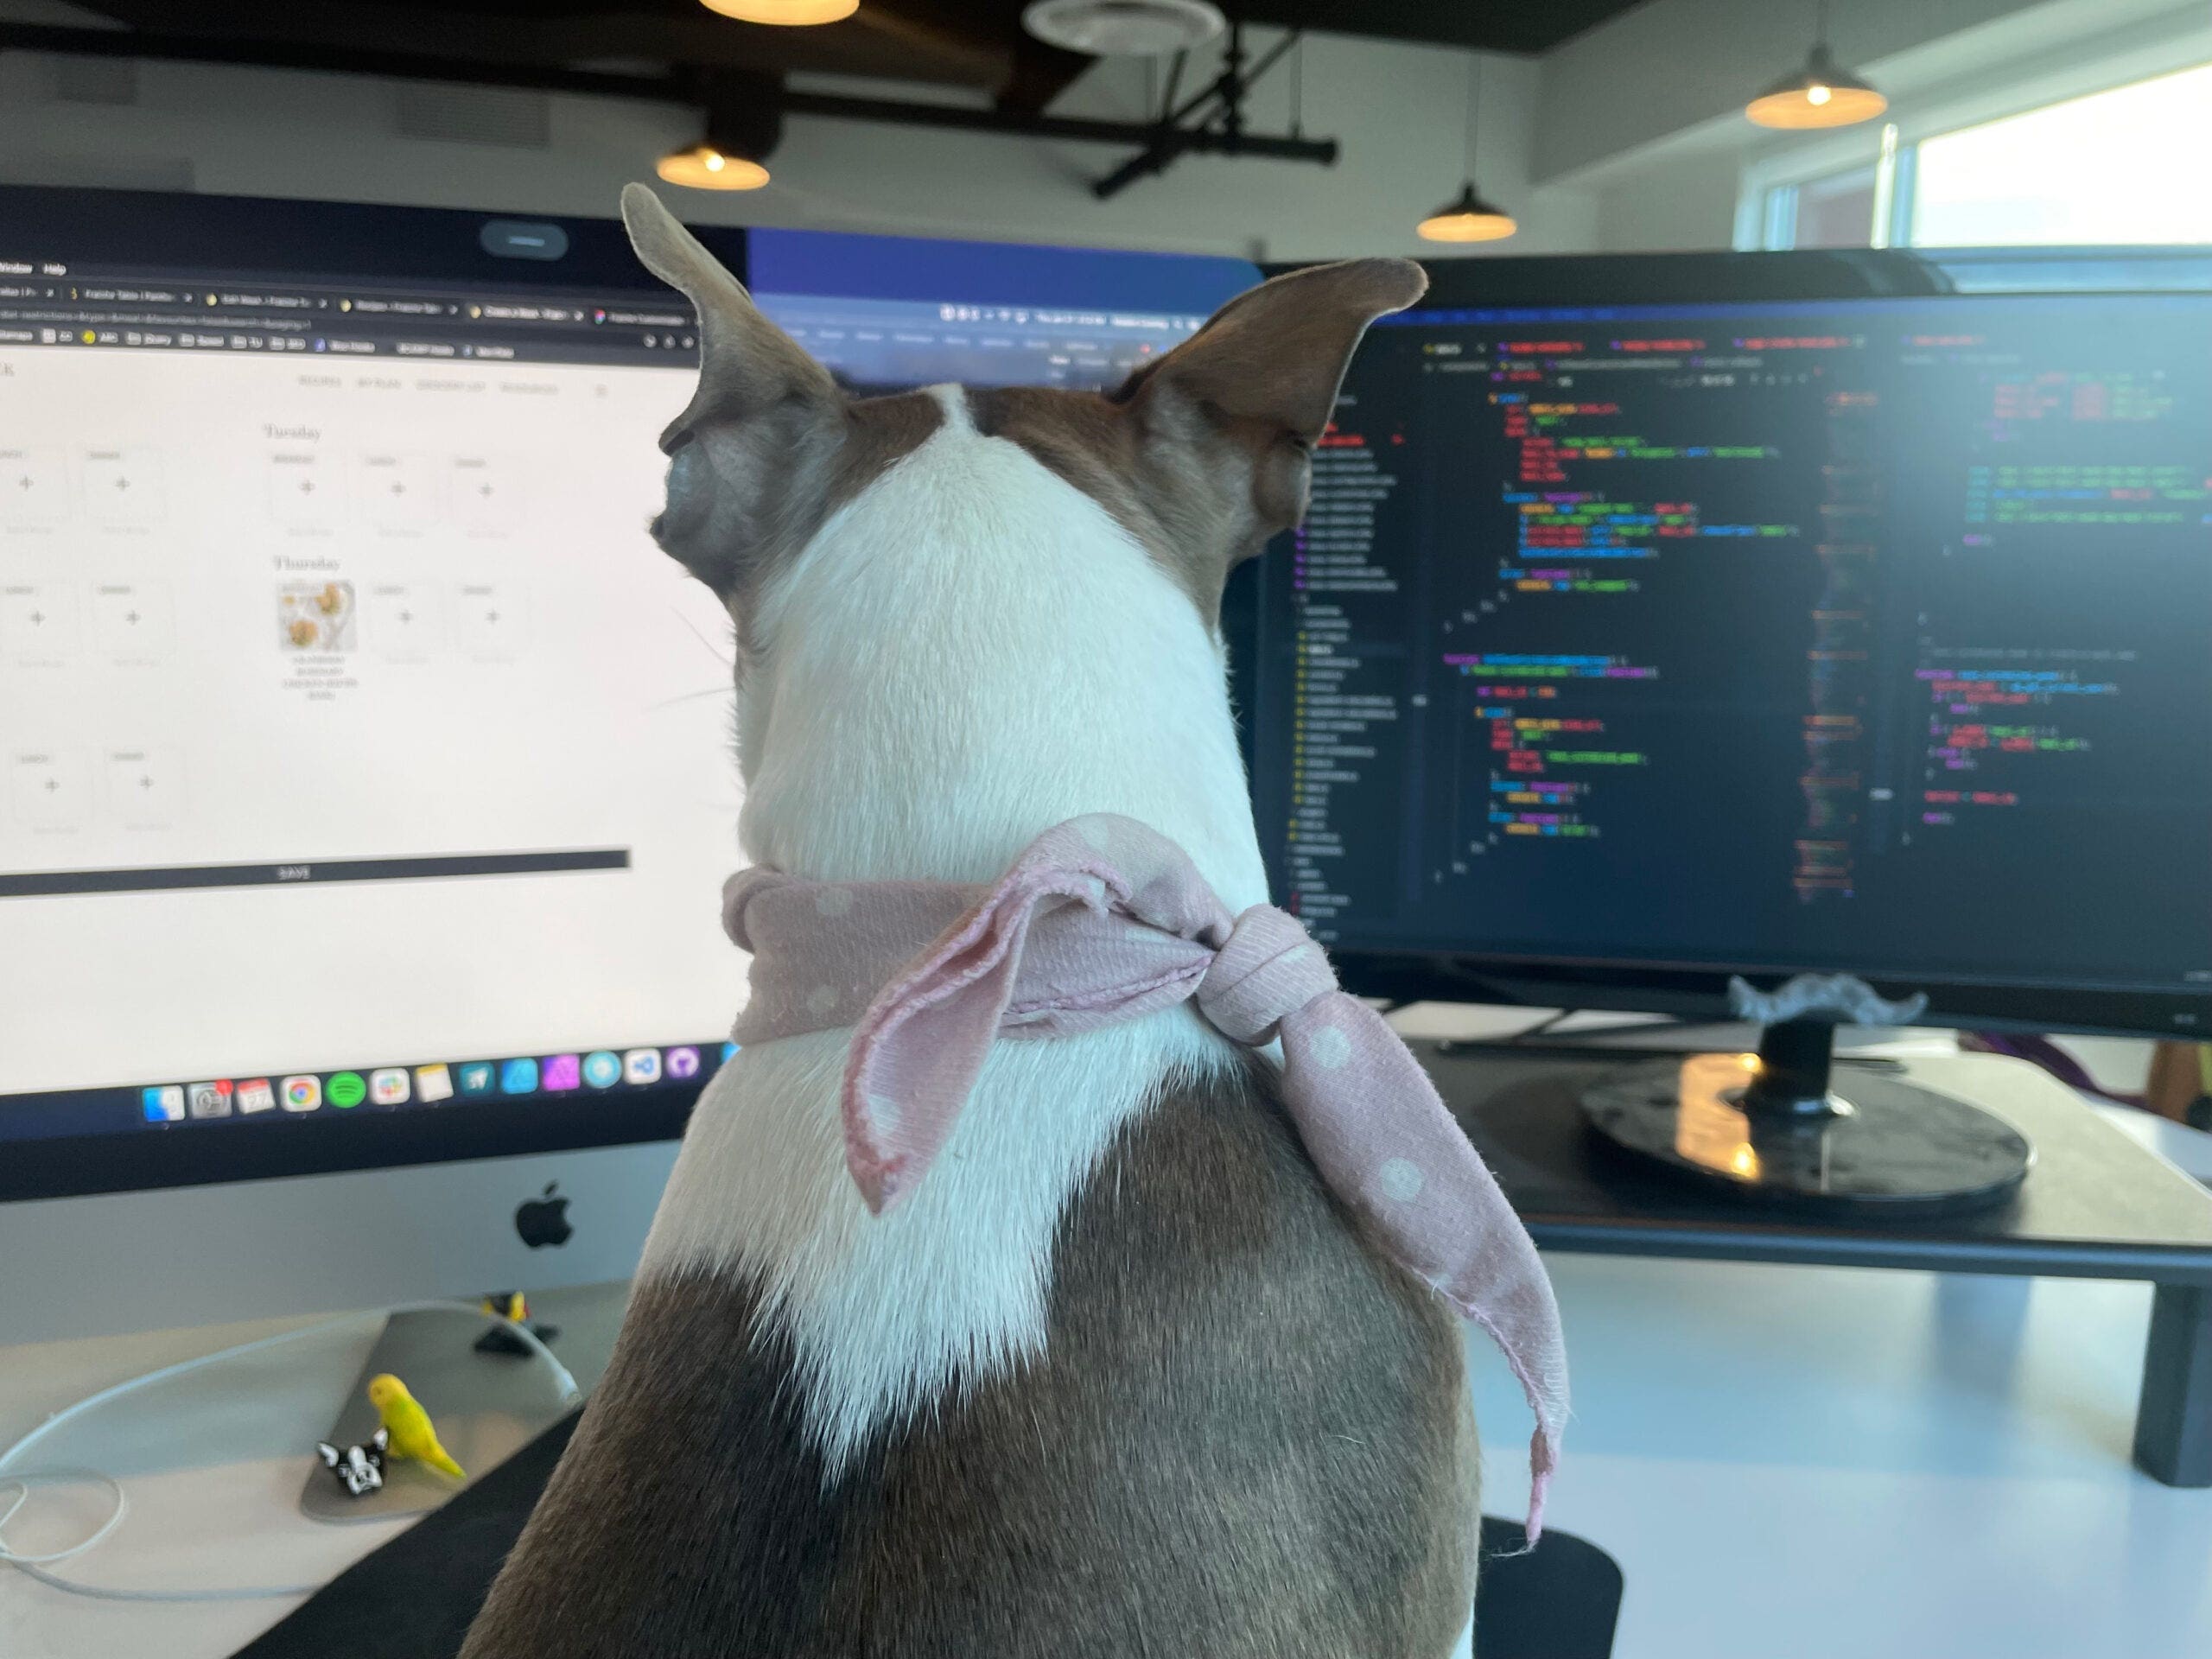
x=1200, y=456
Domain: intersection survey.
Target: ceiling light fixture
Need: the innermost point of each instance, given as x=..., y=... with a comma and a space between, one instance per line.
x=1821, y=94
x=784, y=14
x=707, y=166
x=1123, y=28
x=1467, y=217
x=744, y=120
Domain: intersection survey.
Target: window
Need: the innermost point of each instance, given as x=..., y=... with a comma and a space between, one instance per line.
x=2117, y=167
x=2122, y=166
x=1836, y=211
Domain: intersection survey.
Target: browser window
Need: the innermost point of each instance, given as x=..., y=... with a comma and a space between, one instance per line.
x=347, y=713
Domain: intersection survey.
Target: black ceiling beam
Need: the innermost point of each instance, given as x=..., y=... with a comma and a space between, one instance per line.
x=668, y=88
x=1524, y=27
x=1038, y=74
x=313, y=56
x=910, y=40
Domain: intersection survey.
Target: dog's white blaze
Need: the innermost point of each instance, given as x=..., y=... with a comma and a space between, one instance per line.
x=969, y=652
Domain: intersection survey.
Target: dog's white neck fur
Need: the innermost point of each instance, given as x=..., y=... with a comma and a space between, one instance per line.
x=967, y=653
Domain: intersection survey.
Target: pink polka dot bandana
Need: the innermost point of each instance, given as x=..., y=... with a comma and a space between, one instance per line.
x=1100, y=920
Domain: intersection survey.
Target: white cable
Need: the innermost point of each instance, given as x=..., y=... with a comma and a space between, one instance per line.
x=33, y=1566
x=101, y=1593
x=23, y=1484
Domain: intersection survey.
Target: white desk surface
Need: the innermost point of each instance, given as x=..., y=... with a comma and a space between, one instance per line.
x=1820, y=1463
x=214, y=1466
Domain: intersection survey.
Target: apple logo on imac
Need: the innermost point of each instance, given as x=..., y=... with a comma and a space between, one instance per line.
x=544, y=1220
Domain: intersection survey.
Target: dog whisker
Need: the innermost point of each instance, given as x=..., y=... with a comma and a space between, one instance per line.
x=691, y=696
x=726, y=658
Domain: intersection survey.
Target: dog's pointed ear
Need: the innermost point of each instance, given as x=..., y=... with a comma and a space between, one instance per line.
x=753, y=455
x=329, y=1454
x=381, y=1440
x=1262, y=375
x=747, y=366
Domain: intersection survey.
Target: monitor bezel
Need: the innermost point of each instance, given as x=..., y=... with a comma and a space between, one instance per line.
x=247, y=237
x=135, y=1161
x=1699, y=989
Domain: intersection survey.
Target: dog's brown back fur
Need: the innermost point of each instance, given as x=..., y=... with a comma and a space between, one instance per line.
x=1248, y=1435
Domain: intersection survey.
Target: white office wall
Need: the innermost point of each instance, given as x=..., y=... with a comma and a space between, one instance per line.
x=1398, y=110
x=1685, y=202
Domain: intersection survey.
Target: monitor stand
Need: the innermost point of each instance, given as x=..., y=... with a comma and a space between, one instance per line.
x=1777, y=1128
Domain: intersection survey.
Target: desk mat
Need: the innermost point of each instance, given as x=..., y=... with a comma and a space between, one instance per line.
x=414, y=1597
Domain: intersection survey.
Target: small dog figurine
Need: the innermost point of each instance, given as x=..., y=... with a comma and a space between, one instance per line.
x=1122, y=1375
x=358, y=1469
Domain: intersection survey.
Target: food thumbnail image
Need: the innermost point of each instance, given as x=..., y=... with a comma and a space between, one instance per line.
x=315, y=616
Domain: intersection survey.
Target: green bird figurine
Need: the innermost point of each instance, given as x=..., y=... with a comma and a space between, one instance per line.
x=413, y=1434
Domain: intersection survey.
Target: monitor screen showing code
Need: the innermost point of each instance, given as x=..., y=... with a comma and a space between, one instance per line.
x=1871, y=635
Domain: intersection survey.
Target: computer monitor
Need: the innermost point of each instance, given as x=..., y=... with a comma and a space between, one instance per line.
x=883, y=314
x=365, y=783
x=1666, y=619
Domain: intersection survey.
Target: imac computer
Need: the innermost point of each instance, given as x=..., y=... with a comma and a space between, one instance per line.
x=365, y=787
x=1664, y=621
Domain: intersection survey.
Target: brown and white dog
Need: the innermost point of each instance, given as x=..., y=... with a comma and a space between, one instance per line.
x=1119, y=1377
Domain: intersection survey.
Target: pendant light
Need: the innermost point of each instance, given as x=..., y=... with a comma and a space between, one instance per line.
x=708, y=166
x=744, y=120
x=1821, y=94
x=1467, y=217
x=784, y=14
